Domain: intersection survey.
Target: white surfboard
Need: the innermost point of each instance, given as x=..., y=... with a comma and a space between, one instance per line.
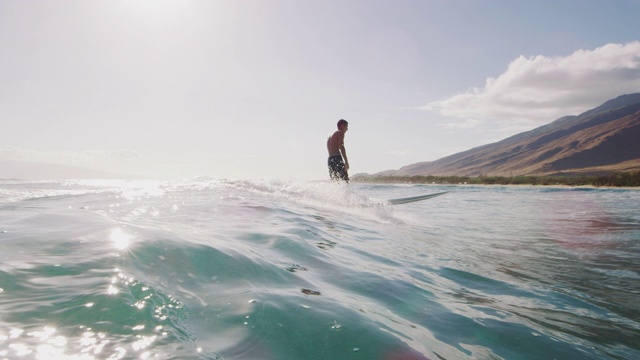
x=414, y=198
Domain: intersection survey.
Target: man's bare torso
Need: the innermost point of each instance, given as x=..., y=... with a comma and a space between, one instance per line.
x=335, y=142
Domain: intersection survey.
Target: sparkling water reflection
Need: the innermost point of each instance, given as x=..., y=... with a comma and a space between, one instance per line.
x=219, y=269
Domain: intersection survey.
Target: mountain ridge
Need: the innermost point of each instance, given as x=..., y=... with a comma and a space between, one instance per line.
x=605, y=139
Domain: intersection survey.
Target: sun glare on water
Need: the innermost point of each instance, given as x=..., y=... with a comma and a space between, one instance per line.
x=121, y=240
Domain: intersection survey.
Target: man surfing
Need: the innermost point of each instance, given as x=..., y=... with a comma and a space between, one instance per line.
x=338, y=163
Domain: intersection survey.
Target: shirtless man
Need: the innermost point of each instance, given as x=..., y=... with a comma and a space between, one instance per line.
x=338, y=163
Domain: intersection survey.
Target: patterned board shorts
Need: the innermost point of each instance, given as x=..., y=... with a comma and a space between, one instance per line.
x=337, y=170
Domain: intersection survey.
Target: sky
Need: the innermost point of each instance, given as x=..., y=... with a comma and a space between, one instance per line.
x=252, y=88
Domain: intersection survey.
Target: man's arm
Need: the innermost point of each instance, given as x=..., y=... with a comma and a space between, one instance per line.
x=343, y=151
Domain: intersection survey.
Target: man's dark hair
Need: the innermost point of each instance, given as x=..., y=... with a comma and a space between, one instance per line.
x=342, y=122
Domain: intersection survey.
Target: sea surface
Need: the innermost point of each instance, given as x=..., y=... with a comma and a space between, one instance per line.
x=243, y=269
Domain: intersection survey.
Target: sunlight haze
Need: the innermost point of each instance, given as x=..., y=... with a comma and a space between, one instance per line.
x=234, y=89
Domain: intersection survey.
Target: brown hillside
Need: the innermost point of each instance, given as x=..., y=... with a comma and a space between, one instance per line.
x=602, y=140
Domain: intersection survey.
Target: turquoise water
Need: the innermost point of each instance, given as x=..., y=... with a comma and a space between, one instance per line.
x=214, y=269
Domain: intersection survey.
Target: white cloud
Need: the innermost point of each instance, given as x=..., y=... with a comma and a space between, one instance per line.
x=398, y=152
x=66, y=157
x=467, y=123
x=537, y=90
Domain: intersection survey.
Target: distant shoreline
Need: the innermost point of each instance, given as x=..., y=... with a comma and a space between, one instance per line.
x=555, y=186
x=619, y=180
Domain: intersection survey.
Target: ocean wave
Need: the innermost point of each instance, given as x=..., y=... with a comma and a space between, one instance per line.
x=242, y=269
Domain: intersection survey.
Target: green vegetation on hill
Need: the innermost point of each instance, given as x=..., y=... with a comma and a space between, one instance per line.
x=625, y=179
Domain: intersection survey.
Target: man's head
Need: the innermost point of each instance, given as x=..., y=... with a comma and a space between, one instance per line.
x=343, y=125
